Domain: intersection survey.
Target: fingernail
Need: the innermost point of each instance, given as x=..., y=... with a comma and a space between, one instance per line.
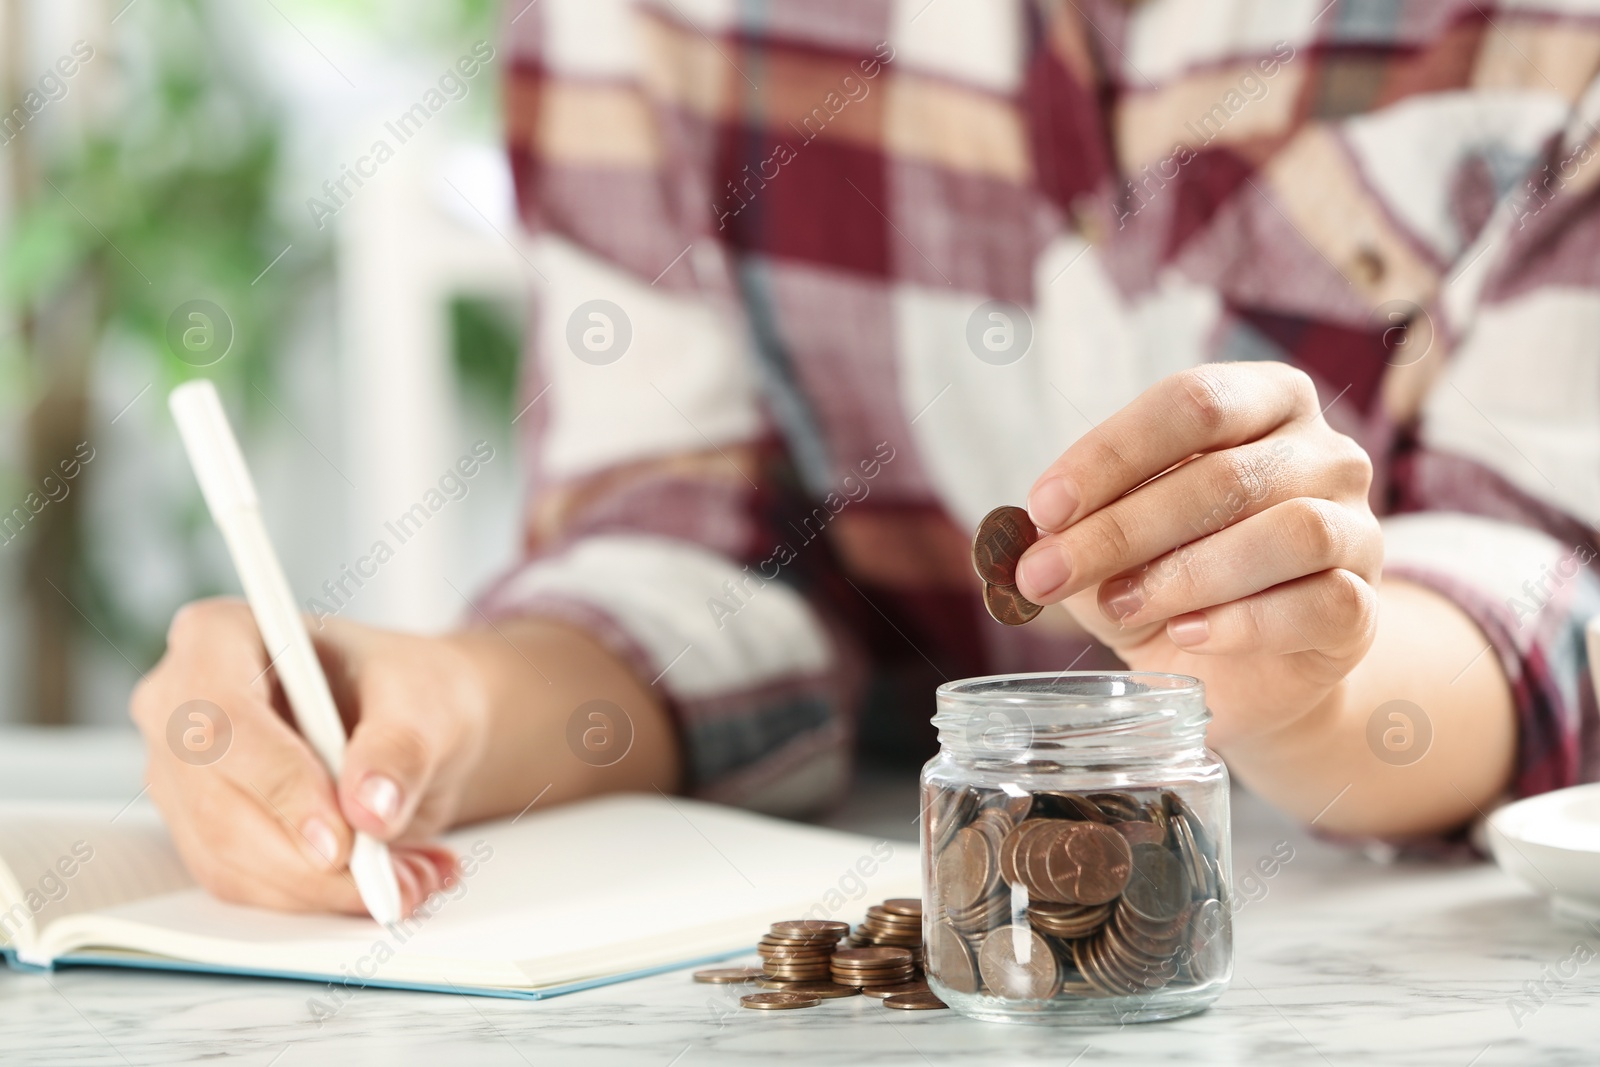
x=320, y=841
x=380, y=795
x=1043, y=572
x=427, y=876
x=1052, y=503
x=1186, y=633
x=410, y=891
x=1122, y=597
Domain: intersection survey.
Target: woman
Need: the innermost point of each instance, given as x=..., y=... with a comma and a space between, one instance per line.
x=821, y=286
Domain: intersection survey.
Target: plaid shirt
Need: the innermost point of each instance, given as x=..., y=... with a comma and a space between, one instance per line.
x=865, y=267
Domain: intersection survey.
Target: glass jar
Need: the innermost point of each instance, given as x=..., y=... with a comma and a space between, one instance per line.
x=1076, y=849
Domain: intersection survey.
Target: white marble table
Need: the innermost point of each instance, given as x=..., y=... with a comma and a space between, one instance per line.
x=1339, y=960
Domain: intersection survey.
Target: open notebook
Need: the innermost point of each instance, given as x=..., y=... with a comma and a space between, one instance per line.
x=557, y=900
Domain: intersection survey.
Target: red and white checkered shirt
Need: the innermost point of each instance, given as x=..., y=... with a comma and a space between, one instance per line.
x=823, y=281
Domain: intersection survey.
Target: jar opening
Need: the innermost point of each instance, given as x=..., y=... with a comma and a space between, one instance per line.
x=1015, y=716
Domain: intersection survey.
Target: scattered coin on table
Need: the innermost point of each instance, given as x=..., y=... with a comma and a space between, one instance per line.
x=914, y=1002
x=778, y=1001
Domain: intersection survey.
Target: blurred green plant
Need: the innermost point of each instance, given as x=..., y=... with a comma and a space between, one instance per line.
x=165, y=189
x=486, y=346
x=164, y=196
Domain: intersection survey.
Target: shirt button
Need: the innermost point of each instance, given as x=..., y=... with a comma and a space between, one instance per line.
x=1367, y=267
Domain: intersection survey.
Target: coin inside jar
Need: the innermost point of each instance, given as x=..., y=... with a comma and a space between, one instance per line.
x=951, y=960
x=966, y=869
x=1017, y=964
x=1158, y=887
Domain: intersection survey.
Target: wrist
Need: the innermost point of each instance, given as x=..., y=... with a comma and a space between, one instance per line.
x=1300, y=733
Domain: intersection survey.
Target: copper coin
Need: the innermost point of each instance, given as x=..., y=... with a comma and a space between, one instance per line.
x=778, y=1001
x=1090, y=958
x=914, y=1002
x=1017, y=964
x=799, y=942
x=878, y=992
x=1210, y=931
x=947, y=811
x=1103, y=863
x=789, y=952
x=1068, y=806
x=1003, y=535
x=966, y=869
x=1016, y=807
x=1202, y=876
x=950, y=959
x=1140, y=833
x=1158, y=887
x=987, y=914
x=825, y=990
x=1119, y=807
x=995, y=824
x=728, y=975
x=904, y=906
x=1007, y=605
x=1009, y=852
x=887, y=970
x=810, y=928
x=875, y=954
x=1046, y=845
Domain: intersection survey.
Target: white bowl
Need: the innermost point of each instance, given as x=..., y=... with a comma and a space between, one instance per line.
x=1552, y=842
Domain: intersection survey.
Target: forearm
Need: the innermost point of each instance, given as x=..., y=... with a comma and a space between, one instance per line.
x=1421, y=654
x=536, y=674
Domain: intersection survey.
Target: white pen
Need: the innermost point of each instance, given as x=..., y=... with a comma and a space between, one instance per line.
x=230, y=494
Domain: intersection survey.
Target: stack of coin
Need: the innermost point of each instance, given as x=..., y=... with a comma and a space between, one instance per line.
x=1003, y=535
x=803, y=965
x=896, y=923
x=873, y=965
x=1074, y=895
x=799, y=950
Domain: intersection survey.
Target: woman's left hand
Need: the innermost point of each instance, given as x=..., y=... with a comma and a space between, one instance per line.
x=1217, y=527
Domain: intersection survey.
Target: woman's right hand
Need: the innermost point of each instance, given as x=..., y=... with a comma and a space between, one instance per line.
x=253, y=812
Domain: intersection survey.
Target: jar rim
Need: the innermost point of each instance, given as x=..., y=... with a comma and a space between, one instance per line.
x=1006, y=712
x=1159, y=688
